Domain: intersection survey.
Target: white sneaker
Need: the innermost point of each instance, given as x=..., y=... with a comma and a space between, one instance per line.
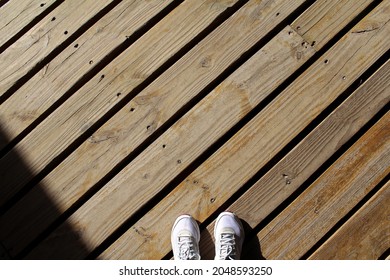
x=185, y=238
x=229, y=236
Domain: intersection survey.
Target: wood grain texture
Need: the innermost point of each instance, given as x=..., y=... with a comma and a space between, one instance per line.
x=208, y=187
x=16, y=15
x=171, y=157
x=100, y=94
x=294, y=231
x=366, y=235
x=43, y=38
x=54, y=81
x=321, y=22
x=280, y=55
x=307, y=156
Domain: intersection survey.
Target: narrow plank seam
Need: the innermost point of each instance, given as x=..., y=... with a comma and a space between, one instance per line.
x=346, y=218
x=24, y=30
x=244, y=57
x=366, y=75
x=57, y=50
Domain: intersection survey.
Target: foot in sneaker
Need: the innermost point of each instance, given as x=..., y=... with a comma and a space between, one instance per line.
x=185, y=237
x=229, y=236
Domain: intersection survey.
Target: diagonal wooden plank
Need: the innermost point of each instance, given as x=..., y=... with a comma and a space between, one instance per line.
x=294, y=231
x=323, y=17
x=16, y=15
x=208, y=187
x=366, y=235
x=64, y=71
x=99, y=149
x=277, y=55
x=120, y=136
x=100, y=94
x=55, y=80
x=44, y=37
x=299, y=164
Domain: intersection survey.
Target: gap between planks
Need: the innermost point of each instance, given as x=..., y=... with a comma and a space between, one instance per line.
x=16, y=15
x=74, y=66
x=292, y=171
x=39, y=42
x=197, y=15
x=227, y=163
x=45, y=144
x=366, y=235
x=17, y=18
x=328, y=199
x=298, y=44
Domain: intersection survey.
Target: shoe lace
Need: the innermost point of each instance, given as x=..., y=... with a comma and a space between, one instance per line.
x=227, y=247
x=187, y=250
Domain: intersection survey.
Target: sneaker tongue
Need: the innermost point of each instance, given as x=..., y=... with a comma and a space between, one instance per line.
x=187, y=248
x=227, y=246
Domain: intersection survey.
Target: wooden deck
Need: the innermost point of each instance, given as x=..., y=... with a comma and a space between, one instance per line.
x=118, y=116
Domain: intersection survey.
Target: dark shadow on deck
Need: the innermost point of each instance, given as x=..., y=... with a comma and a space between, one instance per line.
x=251, y=248
x=14, y=225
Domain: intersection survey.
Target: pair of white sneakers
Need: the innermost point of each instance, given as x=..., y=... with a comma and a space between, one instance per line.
x=228, y=234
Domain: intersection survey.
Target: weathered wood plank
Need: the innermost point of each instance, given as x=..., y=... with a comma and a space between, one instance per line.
x=208, y=187
x=100, y=94
x=298, y=165
x=43, y=38
x=294, y=231
x=16, y=15
x=366, y=235
x=64, y=71
x=63, y=178
x=318, y=25
x=183, y=81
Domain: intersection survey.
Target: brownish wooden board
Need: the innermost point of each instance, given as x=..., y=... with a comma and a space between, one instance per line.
x=308, y=156
x=297, y=229
x=76, y=170
x=55, y=80
x=63, y=72
x=323, y=17
x=223, y=56
x=366, y=235
x=232, y=165
x=204, y=197
x=200, y=126
x=44, y=37
x=100, y=94
x=16, y=15
x=175, y=160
